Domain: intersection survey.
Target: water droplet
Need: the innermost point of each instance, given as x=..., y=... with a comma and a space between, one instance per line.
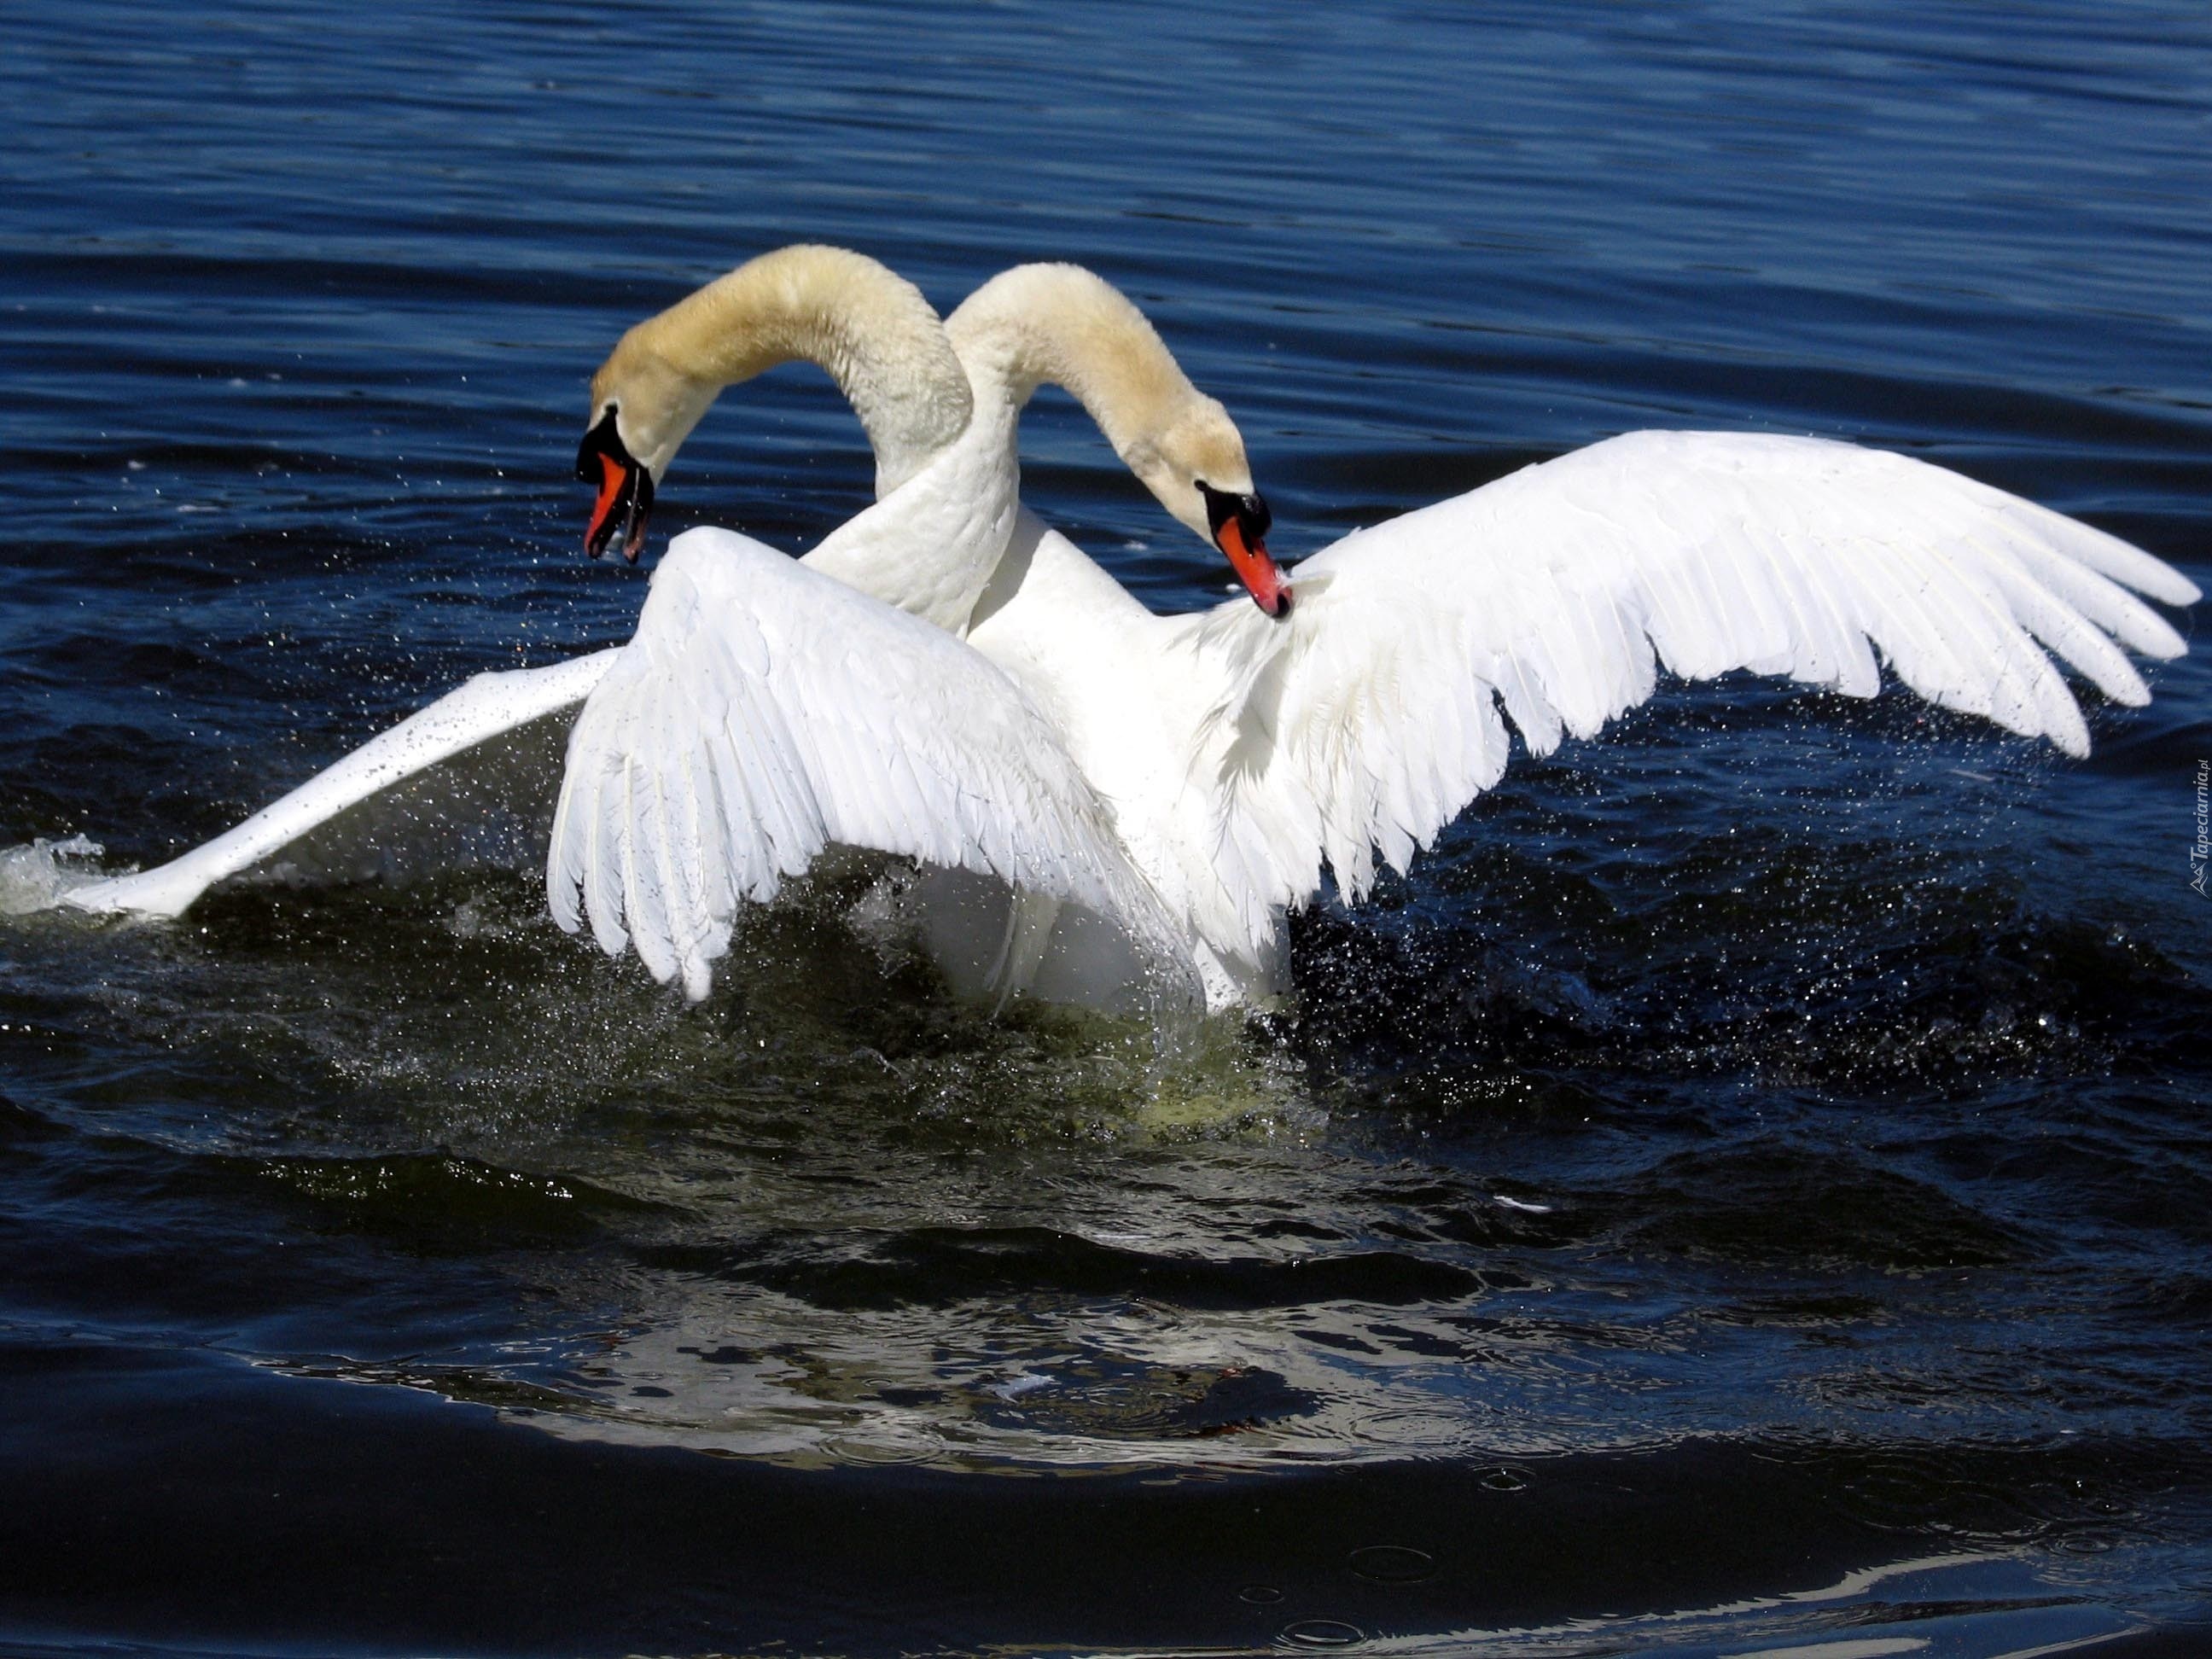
x=1506, y=1479
x=1260, y=1595
x=1392, y=1563
x=1322, y=1633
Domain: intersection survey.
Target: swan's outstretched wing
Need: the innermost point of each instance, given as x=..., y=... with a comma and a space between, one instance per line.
x=1370, y=719
x=435, y=790
x=764, y=711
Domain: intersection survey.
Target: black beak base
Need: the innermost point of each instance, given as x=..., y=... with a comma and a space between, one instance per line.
x=1250, y=513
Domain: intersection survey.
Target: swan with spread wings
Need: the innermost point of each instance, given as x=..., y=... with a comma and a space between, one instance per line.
x=948, y=680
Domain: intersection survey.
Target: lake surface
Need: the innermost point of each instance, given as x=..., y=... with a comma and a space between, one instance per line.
x=1751, y=1187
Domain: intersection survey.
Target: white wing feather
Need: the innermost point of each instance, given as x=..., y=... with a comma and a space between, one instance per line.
x=1371, y=719
x=764, y=711
x=444, y=779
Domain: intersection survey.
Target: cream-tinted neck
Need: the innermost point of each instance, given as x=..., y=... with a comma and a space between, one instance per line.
x=871, y=329
x=1062, y=326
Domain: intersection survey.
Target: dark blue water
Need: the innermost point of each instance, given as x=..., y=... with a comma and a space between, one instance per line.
x=1750, y=1188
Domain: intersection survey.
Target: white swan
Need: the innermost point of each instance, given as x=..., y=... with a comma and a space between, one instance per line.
x=920, y=767
x=1189, y=777
x=1238, y=750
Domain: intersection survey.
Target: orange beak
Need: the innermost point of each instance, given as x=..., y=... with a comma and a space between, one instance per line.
x=625, y=498
x=1259, y=573
x=1240, y=529
x=601, y=529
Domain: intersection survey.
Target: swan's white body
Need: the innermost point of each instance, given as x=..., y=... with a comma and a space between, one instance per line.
x=1239, y=753
x=1159, y=791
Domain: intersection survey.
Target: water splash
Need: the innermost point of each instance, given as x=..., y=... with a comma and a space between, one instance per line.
x=36, y=876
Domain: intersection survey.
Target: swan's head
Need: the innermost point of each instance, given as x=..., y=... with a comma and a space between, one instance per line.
x=869, y=327
x=642, y=408
x=1195, y=464
x=1063, y=325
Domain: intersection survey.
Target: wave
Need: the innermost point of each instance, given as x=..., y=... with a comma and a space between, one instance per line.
x=35, y=876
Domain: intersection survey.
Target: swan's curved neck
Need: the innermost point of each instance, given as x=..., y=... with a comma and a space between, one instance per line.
x=1061, y=324
x=871, y=329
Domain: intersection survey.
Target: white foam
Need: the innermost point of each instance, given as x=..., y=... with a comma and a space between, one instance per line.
x=35, y=876
x=1521, y=1204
